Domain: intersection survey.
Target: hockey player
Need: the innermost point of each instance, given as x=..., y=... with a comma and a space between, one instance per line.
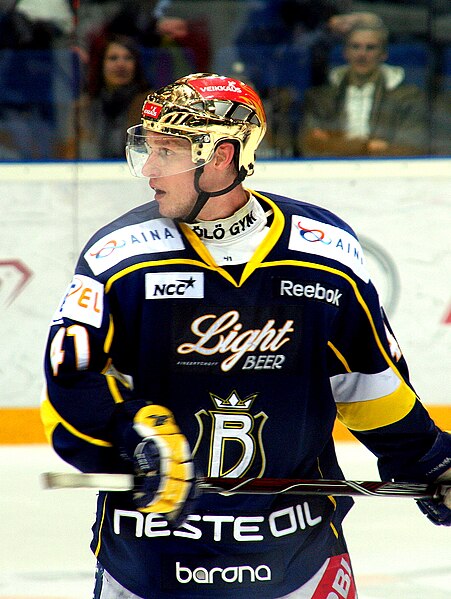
x=220, y=331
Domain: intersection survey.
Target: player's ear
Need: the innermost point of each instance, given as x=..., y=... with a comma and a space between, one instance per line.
x=224, y=155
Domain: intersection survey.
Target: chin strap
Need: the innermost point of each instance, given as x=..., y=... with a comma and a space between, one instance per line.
x=204, y=196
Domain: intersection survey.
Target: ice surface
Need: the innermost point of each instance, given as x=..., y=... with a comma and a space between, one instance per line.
x=44, y=554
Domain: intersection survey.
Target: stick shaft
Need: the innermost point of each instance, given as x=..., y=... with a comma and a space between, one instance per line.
x=254, y=486
x=320, y=487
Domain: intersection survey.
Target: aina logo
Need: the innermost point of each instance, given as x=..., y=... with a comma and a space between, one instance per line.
x=229, y=575
x=108, y=248
x=313, y=235
x=330, y=241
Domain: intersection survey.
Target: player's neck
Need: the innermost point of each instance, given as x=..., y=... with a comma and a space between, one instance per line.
x=225, y=205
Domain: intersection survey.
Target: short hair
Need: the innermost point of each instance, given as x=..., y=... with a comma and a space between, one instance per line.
x=377, y=26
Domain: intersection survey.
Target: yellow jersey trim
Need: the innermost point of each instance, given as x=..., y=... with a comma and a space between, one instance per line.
x=207, y=260
x=99, y=541
x=339, y=356
x=114, y=389
x=51, y=419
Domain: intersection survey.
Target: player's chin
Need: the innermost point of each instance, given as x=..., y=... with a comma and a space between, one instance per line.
x=167, y=210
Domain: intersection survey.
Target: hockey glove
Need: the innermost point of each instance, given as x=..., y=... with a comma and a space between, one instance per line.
x=163, y=463
x=438, y=510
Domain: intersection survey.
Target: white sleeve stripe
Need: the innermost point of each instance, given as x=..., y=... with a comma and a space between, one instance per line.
x=355, y=386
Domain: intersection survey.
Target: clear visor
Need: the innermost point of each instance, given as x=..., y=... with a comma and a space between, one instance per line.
x=155, y=155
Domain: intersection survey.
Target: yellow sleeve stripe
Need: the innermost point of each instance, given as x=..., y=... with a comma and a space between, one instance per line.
x=50, y=419
x=114, y=389
x=109, y=336
x=334, y=530
x=339, y=355
x=372, y=414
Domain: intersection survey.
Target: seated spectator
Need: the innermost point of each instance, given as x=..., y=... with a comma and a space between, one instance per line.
x=283, y=48
x=366, y=109
x=313, y=24
x=184, y=44
x=27, y=72
x=441, y=124
x=116, y=89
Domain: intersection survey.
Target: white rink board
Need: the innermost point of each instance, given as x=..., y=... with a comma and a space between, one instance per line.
x=401, y=208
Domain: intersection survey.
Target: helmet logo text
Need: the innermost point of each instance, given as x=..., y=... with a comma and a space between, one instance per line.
x=151, y=110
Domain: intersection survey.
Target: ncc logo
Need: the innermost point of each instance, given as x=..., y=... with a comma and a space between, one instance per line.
x=175, y=285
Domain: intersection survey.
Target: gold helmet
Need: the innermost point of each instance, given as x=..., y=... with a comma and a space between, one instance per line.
x=207, y=109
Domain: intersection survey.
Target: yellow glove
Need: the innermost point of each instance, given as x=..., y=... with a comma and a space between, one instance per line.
x=163, y=460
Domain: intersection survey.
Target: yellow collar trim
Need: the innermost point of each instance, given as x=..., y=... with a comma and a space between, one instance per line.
x=260, y=254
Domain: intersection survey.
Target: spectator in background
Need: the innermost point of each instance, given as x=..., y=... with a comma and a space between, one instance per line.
x=116, y=89
x=313, y=24
x=25, y=26
x=293, y=40
x=184, y=42
x=27, y=40
x=441, y=124
x=366, y=109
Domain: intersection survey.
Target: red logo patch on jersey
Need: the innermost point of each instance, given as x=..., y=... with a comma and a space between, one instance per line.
x=337, y=581
x=151, y=110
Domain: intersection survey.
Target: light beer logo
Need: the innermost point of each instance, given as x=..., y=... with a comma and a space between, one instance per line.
x=225, y=334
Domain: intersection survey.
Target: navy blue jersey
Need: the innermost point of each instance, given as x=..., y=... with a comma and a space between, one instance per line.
x=256, y=362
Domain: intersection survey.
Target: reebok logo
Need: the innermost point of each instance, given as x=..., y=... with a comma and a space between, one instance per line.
x=174, y=285
x=230, y=575
x=310, y=291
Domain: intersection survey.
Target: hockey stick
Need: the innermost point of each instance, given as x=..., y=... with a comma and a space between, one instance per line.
x=234, y=486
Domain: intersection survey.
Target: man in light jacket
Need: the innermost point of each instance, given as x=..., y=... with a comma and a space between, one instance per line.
x=366, y=109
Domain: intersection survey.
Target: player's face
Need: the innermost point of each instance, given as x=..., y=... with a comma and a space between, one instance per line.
x=364, y=52
x=118, y=66
x=175, y=194
x=166, y=161
x=169, y=168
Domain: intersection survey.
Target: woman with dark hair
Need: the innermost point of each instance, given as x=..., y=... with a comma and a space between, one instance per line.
x=116, y=87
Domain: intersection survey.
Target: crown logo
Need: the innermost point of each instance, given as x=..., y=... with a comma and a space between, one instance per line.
x=233, y=401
